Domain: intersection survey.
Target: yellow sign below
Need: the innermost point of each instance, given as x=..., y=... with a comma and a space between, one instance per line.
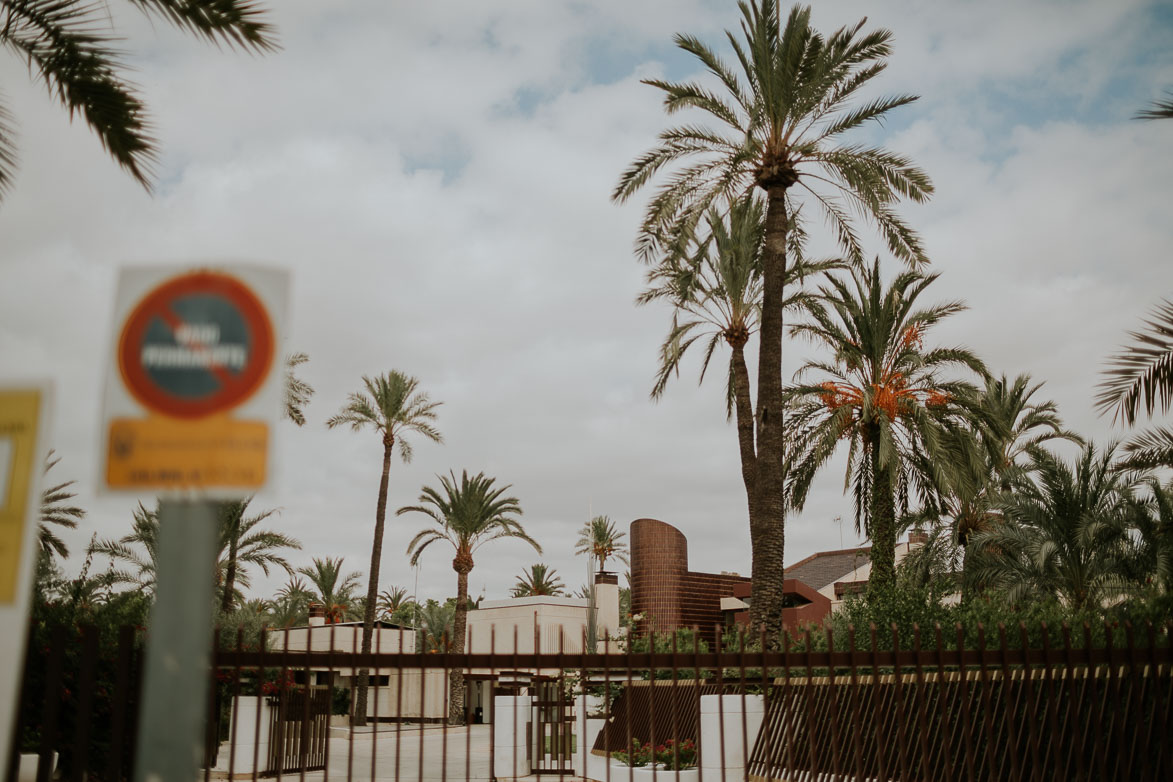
x=162, y=453
x=19, y=416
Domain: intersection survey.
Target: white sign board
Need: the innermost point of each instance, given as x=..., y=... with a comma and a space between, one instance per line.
x=195, y=380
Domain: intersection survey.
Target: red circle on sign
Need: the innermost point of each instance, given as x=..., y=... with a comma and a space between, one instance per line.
x=234, y=388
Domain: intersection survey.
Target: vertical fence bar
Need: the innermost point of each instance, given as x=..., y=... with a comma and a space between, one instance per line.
x=1097, y=746
x=1158, y=706
x=607, y=690
x=1113, y=686
x=121, y=703
x=788, y=708
x=467, y=724
x=766, y=733
x=258, y=680
x=856, y=726
x=399, y=697
x=898, y=705
x=921, y=723
x=303, y=742
x=1011, y=709
x=1075, y=709
x=1030, y=711
x=1055, y=742
x=809, y=694
x=833, y=705
x=234, y=709
x=375, y=672
x=944, y=708
x=987, y=705
x=52, y=705
x=966, y=720
x=720, y=674
x=1136, y=688
x=493, y=702
x=446, y=660
x=698, y=689
x=83, y=717
x=354, y=647
x=423, y=704
x=877, y=691
x=331, y=675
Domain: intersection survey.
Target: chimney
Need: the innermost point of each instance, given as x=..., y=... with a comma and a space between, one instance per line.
x=317, y=615
x=606, y=605
x=917, y=537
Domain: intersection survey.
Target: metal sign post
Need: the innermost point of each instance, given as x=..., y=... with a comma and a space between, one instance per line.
x=192, y=398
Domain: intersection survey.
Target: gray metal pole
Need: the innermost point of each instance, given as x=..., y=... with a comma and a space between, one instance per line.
x=176, y=679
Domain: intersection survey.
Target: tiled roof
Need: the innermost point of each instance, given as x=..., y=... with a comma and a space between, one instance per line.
x=827, y=567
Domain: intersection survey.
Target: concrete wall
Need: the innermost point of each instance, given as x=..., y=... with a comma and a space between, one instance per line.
x=555, y=623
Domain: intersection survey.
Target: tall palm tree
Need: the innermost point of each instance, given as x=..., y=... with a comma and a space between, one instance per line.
x=332, y=588
x=393, y=406
x=716, y=293
x=1063, y=538
x=539, y=581
x=781, y=113
x=57, y=512
x=1148, y=537
x=467, y=515
x=883, y=392
x=600, y=540
x=1141, y=376
x=73, y=49
x=244, y=544
x=297, y=391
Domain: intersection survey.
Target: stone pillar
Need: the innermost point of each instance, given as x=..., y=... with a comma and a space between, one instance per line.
x=511, y=729
x=250, y=735
x=732, y=754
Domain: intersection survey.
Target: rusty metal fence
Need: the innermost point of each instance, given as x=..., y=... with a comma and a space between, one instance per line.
x=933, y=709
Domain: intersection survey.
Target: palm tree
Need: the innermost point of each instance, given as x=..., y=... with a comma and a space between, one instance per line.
x=290, y=606
x=297, y=391
x=1063, y=536
x=1161, y=109
x=392, y=405
x=883, y=393
x=136, y=552
x=56, y=512
x=1141, y=375
x=716, y=292
x=331, y=588
x=600, y=540
x=467, y=516
x=394, y=602
x=73, y=49
x=781, y=113
x=244, y=544
x=434, y=633
x=539, y=581
x=984, y=453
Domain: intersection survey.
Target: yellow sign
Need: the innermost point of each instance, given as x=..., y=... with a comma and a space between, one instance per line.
x=161, y=453
x=19, y=416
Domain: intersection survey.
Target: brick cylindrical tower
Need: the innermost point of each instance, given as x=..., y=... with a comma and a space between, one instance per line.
x=659, y=561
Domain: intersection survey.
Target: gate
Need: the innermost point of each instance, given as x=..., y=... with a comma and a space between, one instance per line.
x=553, y=728
x=299, y=730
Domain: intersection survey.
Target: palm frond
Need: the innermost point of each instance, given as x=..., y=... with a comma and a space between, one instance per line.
x=1141, y=376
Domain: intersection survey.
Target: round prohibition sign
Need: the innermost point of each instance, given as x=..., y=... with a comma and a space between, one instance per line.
x=198, y=344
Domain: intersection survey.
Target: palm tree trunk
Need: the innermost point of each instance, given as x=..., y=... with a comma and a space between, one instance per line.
x=768, y=501
x=228, y=598
x=456, y=678
x=882, y=512
x=368, y=621
x=743, y=410
x=234, y=520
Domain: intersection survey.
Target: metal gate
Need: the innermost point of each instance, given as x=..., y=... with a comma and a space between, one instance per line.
x=553, y=728
x=300, y=730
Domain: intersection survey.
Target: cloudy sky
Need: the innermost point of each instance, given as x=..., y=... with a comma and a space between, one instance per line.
x=436, y=178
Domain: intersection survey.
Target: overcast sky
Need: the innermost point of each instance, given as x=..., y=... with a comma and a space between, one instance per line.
x=436, y=177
